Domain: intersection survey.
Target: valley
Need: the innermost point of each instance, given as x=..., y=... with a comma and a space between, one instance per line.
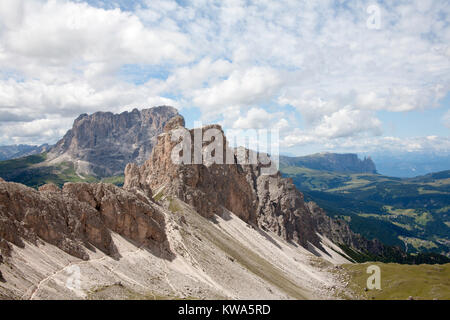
x=408, y=212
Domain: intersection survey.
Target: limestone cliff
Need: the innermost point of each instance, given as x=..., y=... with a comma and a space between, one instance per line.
x=78, y=216
x=103, y=143
x=267, y=201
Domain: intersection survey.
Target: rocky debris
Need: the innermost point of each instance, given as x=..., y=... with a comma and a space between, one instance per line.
x=5, y=248
x=79, y=216
x=103, y=143
x=49, y=187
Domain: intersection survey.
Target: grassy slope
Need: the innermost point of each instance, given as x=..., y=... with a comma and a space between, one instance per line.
x=398, y=211
x=32, y=172
x=399, y=282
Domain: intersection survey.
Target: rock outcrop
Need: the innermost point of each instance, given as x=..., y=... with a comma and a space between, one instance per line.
x=281, y=207
x=120, y=211
x=208, y=188
x=79, y=216
x=103, y=143
x=267, y=201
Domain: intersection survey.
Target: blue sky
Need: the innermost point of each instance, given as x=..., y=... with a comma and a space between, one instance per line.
x=346, y=76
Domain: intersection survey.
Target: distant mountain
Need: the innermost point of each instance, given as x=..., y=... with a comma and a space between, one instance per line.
x=21, y=150
x=97, y=148
x=101, y=144
x=334, y=162
x=410, y=164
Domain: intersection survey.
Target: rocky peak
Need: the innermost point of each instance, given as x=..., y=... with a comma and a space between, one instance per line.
x=208, y=189
x=174, y=123
x=267, y=201
x=103, y=143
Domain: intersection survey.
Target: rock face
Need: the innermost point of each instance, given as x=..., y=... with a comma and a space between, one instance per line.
x=335, y=162
x=78, y=216
x=103, y=143
x=281, y=207
x=266, y=201
x=121, y=211
x=208, y=188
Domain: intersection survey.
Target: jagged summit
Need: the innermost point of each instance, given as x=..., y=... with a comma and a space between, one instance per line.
x=267, y=201
x=176, y=230
x=103, y=143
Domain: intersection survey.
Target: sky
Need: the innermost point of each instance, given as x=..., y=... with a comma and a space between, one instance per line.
x=344, y=76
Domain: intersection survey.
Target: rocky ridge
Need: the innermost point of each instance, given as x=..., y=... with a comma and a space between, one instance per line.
x=78, y=216
x=184, y=216
x=269, y=202
x=102, y=143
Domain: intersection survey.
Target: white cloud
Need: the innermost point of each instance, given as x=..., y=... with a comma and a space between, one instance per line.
x=59, y=33
x=258, y=118
x=242, y=88
x=34, y=132
x=240, y=62
x=347, y=122
x=298, y=142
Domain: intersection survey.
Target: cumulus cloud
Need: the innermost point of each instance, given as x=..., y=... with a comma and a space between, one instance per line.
x=298, y=141
x=242, y=88
x=347, y=122
x=241, y=63
x=257, y=118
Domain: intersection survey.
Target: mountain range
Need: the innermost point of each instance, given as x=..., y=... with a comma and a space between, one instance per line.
x=336, y=162
x=410, y=164
x=21, y=150
x=177, y=230
x=97, y=148
x=103, y=143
